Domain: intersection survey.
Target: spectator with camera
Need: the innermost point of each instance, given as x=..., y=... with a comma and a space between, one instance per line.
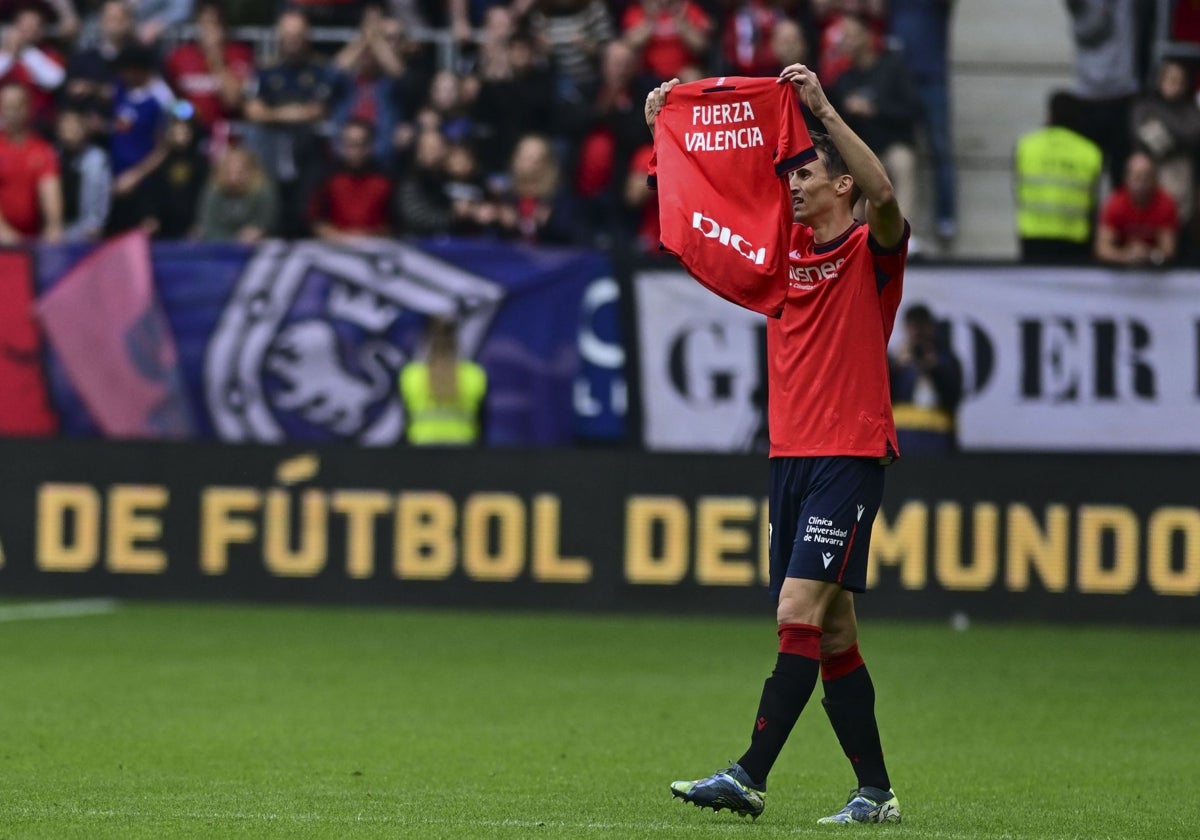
x=927, y=386
x=537, y=208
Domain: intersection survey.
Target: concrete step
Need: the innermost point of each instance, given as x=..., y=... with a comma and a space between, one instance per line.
x=1007, y=56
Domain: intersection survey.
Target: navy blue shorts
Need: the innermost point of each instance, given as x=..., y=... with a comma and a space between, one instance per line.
x=822, y=510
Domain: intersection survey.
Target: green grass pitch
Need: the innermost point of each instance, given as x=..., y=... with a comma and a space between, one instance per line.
x=161, y=721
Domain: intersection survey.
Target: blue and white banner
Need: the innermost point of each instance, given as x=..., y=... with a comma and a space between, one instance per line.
x=304, y=341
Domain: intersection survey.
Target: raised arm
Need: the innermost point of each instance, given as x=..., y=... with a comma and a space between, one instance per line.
x=884, y=216
x=655, y=100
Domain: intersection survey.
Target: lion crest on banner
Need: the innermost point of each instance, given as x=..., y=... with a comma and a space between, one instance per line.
x=310, y=343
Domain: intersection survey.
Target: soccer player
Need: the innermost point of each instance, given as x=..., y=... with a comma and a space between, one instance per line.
x=832, y=434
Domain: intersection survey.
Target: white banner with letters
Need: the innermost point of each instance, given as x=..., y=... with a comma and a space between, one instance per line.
x=1054, y=359
x=701, y=366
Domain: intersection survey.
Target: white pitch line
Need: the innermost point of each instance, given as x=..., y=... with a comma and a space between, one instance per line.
x=575, y=827
x=58, y=609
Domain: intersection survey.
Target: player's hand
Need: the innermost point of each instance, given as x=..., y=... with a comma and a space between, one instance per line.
x=808, y=88
x=655, y=100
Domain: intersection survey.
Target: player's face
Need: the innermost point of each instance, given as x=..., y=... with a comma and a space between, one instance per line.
x=813, y=192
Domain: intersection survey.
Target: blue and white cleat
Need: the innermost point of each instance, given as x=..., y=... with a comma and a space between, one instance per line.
x=729, y=788
x=866, y=805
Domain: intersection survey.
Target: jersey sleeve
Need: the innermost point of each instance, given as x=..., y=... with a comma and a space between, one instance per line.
x=795, y=146
x=889, y=274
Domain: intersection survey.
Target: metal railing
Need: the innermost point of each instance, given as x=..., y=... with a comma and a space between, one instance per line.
x=266, y=44
x=1164, y=46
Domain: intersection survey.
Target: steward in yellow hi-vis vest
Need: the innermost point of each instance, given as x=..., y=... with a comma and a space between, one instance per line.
x=1057, y=173
x=443, y=397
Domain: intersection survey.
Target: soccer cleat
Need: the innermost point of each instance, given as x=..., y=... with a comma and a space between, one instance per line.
x=866, y=805
x=729, y=788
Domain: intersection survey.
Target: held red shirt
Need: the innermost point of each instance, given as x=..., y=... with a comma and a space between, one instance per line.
x=721, y=150
x=828, y=387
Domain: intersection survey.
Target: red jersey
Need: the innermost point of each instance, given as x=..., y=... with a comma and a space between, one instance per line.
x=1139, y=223
x=828, y=387
x=666, y=53
x=23, y=165
x=189, y=74
x=357, y=202
x=721, y=149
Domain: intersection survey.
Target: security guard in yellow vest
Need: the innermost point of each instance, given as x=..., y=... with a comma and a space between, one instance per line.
x=1057, y=175
x=443, y=397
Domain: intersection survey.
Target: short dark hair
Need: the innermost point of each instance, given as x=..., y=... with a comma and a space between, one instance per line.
x=918, y=314
x=135, y=57
x=835, y=165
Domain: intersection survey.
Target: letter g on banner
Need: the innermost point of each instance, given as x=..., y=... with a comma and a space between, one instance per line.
x=702, y=369
x=699, y=360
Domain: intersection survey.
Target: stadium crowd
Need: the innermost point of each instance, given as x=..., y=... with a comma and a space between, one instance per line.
x=148, y=113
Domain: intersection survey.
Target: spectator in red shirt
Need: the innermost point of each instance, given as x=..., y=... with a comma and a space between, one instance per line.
x=30, y=193
x=211, y=72
x=1139, y=223
x=25, y=59
x=354, y=200
x=833, y=59
x=668, y=35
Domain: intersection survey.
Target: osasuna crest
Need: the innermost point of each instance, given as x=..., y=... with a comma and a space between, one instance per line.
x=313, y=337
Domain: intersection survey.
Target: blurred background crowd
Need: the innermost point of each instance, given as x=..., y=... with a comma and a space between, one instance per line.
x=522, y=119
